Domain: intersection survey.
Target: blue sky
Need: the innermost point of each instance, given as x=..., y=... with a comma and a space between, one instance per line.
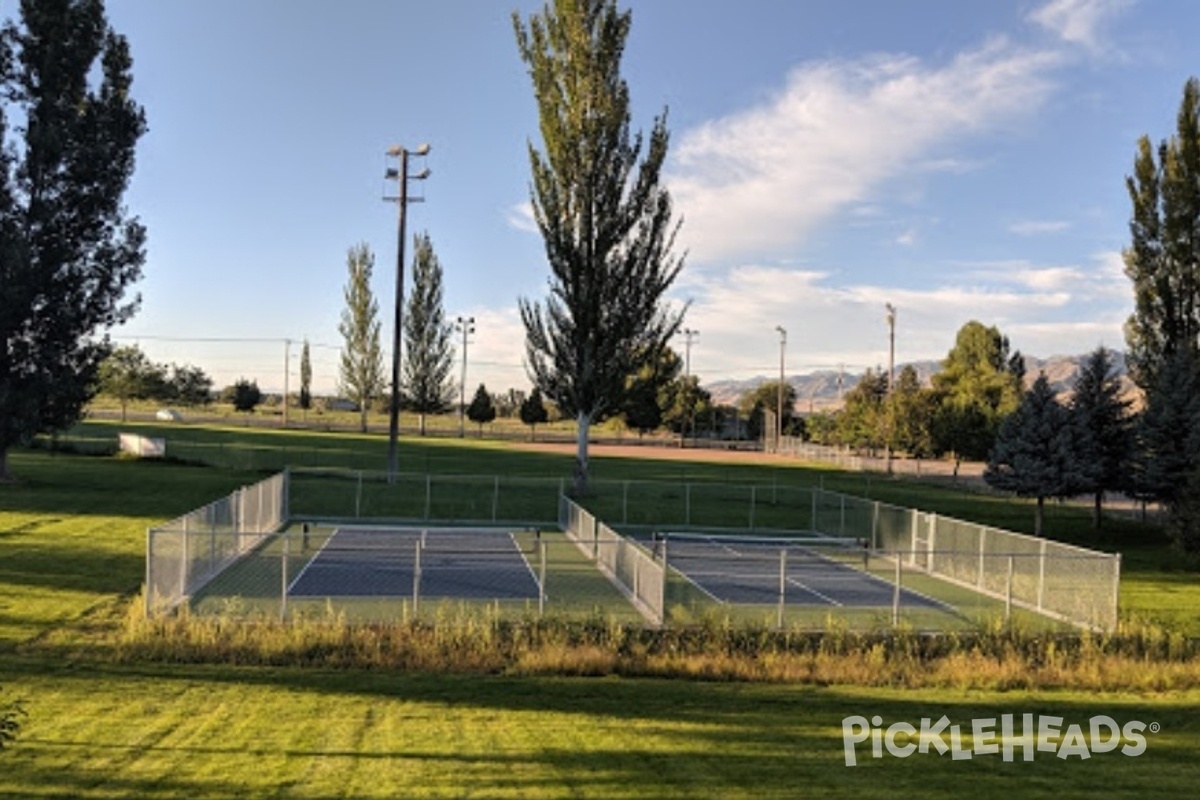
x=960, y=160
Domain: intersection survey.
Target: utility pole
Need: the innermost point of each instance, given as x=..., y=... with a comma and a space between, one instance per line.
x=401, y=176
x=688, y=336
x=467, y=326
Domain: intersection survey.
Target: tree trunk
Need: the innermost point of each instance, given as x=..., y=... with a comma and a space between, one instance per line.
x=422, y=417
x=1037, y=517
x=1096, y=512
x=583, y=423
x=363, y=419
x=5, y=475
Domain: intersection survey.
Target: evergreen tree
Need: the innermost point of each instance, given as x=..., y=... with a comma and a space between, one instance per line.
x=481, y=410
x=244, y=395
x=1167, y=435
x=1038, y=452
x=429, y=356
x=68, y=249
x=533, y=412
x=362, y=377
x=1163, y=258
x=604, y=217
x=1097, y=408
x=305, y=378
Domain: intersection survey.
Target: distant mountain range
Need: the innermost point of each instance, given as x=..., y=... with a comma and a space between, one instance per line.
x=823, y=390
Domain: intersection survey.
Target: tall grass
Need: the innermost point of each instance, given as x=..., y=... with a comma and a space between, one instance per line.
x=1139, y=657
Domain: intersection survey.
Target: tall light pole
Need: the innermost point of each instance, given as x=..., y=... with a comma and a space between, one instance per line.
x=467, y=326
x=779, y=405
x=400, y=175
x=689, y=335
x=891, y=387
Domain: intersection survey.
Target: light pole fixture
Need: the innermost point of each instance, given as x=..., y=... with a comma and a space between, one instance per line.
x=689, y=335
x=467, y=326
x=779, y=405
x=400, y=175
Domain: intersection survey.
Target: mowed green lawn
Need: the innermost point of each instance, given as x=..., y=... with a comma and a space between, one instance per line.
x=72, y=539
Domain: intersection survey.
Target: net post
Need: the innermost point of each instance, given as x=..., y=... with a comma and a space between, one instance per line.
x=896, y=591
x=283, y=583
x=416, y=586
x=782, y=587
x=875, y=525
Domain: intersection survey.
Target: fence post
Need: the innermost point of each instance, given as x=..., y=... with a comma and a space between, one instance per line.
x=896, y=592
x=982, y=551
x=1008, y=591
x=782, y=587
x=541, y=576
x=842, y=521
x=358, y=490
x=687, y=504
x=875, y=525
x=1116, y=594
x=185, y=560
x=428, y=496
x=812, y=520
x=416, y=588
x=662, y=600
x=1041, y=588
x=625, y=503
x=283, y=583
x=753, y=493
x=149, y=570
x=495, y=497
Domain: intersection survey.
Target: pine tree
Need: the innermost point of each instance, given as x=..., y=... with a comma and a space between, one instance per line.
x=1167, y=434
x=482, y=410
x=1163, y=258
x=1038, y=452
x=68, y=249
x=605, y=219
x=1097, y=408
x=362, y=377
x=533, y=412
x=429, y=356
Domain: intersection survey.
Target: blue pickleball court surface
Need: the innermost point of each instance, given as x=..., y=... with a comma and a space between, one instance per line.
x=744, y=570
x=383, y=562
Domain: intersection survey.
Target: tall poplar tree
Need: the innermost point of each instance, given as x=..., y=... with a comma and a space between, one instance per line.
x=305, y=378
x=605, y=219
x=428, y=354
x=361, y=378
x=69, y=250
x=1163, y=258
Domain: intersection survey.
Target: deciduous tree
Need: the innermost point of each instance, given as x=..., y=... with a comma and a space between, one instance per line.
x=429, y=356
x=362, y=376
x=69, y=250
x=603, y=215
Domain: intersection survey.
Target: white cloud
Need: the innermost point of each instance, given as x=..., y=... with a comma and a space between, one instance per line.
x=907, y=239
x=520, y=216
x=759, y=180
x=1080, y=22
x=1035, y=227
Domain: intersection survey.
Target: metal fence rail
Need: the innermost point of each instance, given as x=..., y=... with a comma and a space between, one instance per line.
x=1061, y=581
x=183, y=555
